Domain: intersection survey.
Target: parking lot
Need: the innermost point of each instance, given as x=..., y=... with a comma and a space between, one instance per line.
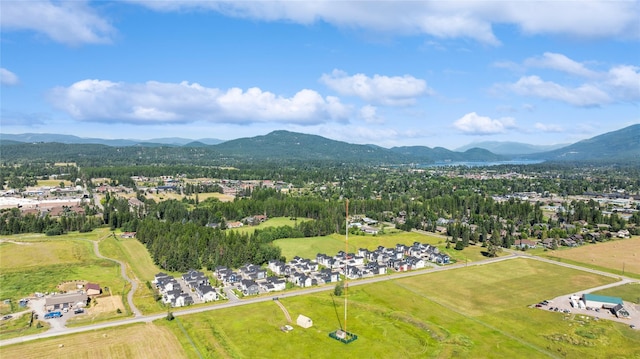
x=562, y=304
x=37, y=305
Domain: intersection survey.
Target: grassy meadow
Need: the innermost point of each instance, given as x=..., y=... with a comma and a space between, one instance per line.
x=140, y=267
x=629, y=292
x=37, y=263
x=53, y=183
x=474, y=312
x=613, y=256
x=132, y=341
x=19, y=326
x=271, y=222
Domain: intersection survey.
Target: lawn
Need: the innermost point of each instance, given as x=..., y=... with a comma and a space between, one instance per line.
x=471, y=312
x=614, y=256
x=133, y=341
x=629, y=292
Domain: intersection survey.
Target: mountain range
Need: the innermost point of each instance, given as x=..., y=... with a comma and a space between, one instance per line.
x=510, y=148
x=70, y=139
x=621, y=146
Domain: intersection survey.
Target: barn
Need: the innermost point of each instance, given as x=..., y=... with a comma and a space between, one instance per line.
x=601, y=301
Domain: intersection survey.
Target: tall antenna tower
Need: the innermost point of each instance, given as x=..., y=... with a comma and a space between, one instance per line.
x=346, y=266
x=342, y=334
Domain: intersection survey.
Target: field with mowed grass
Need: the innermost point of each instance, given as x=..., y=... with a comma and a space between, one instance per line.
x=272, y=222
x=133, y=341
x=37, y=263
x=331, y=244
x=629, y=292
x=474, y=312
x=140, y=267
x=613, y=256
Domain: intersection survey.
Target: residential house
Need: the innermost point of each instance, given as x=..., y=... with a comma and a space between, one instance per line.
x=525, y=243
x=207, y=293
x=68, y=300
x=92, y=289
x=249, y=287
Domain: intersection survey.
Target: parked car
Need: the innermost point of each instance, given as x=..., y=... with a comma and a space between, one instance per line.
x=78, y=311
x=7, y=317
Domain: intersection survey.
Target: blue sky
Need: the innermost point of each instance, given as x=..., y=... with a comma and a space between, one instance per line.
x=442, y=73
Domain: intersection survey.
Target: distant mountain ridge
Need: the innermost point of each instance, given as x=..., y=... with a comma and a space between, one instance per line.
x=70, y=139
x=510, y=148
x=622, y=146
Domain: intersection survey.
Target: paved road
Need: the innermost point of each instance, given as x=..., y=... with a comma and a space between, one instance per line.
x=234, y=303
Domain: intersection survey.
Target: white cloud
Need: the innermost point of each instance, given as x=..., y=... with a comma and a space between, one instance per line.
x=619, y=83
x=76, y=22
x=8, y=78
x=548, y=128
x=69, y=22
x=583, y=96
x=385, y=90
x=561, y=63
x=370, y=114
x=441, y=19
x=592, y=19
x=157, y=102
x=624, y=82
x=474, y=124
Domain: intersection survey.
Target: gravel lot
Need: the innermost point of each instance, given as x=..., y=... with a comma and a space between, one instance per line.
x=563, y=304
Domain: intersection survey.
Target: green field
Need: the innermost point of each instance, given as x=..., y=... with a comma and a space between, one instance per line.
x=140, y=268
x=473, y=312
x=629, y=292
x=271, y=222
x=331, y=244
x=39, y=264
x=21, y=325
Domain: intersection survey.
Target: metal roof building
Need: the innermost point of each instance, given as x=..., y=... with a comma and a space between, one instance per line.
x=601, y=301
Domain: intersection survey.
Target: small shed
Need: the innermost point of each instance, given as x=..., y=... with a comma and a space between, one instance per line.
x=304, y=321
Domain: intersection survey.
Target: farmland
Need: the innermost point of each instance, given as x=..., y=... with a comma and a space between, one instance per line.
x=133, y=341
x=36, y=263
x=444, y=314
x=613, y=256
x=465, y=312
